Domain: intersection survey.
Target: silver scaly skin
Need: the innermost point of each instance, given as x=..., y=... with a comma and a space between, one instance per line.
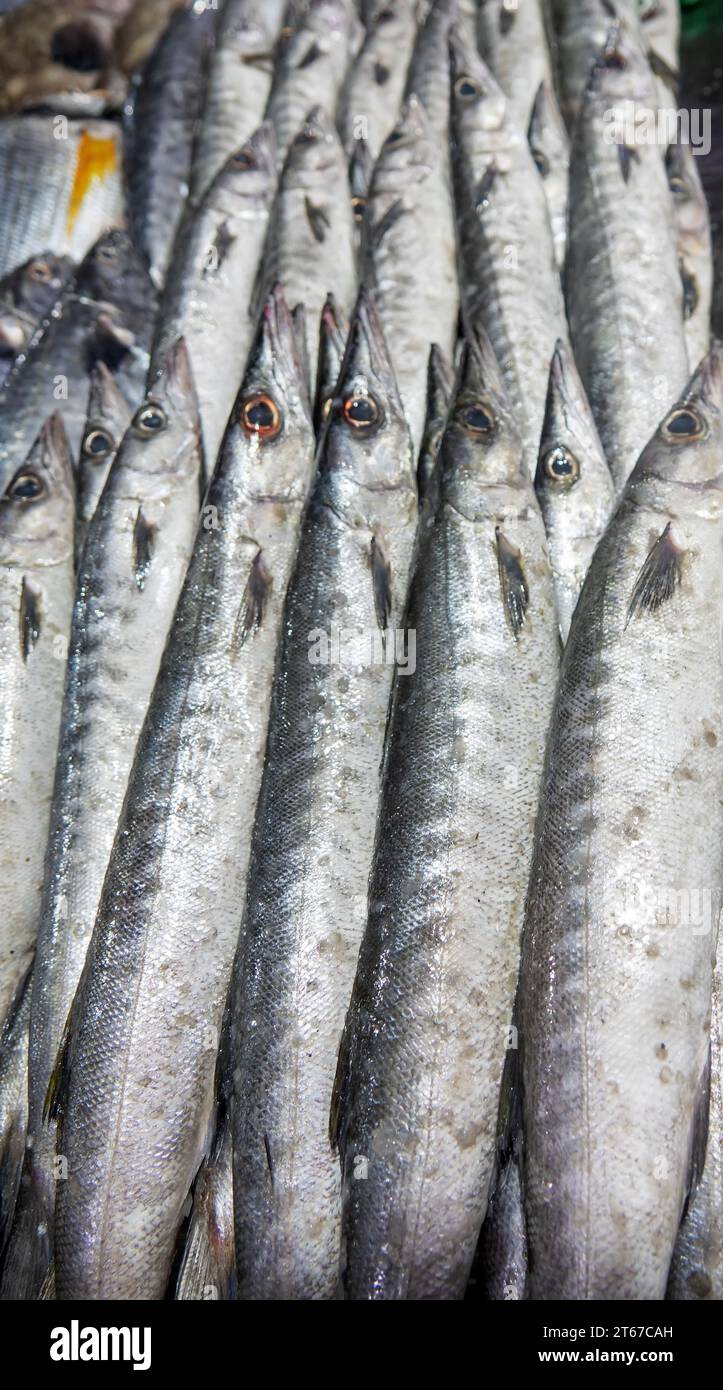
x=238, y=85
x=109, y=416
x=415, y=1107
x=14, y=1035
x=145, y=1025
x=550, y=149
x=316, y=48
x=513, y=41
x=691, y=224
x=134, y=561
x=310, y=244
x=409, y=257
x=314, y=832
x=428, y=75
x=210, y=283
x=573, y=483
x=36, y=602
x=370, y=100
x=625, y=890
x=509, y=279
x=623, y=285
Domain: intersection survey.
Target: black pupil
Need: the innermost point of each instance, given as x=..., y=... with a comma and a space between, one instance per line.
x=97, y=443
x=361, y=411
x=683, y=423
x=541, y=162
x=561, y=465
x=260, y=415
x=478, y=419
x=152, y=420
x=467, y=89
x=27, y=487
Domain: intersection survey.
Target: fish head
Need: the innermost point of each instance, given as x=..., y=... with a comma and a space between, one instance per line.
x=621, y=71
x=35, y=287
x=686, y=452
x=37, y=508
x=271, y=418
x=164, y=435
x=248, y=178
x=314, y=153
x=478, y=103
x=107, y=420
x=546, y=135
x=570, y=463
x=113, y=272
x=366, y=438
x=407, y=150
x=481, y=447
x=333, y=334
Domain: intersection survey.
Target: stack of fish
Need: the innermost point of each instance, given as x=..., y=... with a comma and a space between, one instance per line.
x=361, y=556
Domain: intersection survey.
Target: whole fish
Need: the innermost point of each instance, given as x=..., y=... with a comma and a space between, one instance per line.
x=691, y=224
x=13, y=1102
x=161, y=954
x=27, y=296
x=109, y=416
x=509, y=280
x=314, y=831
x=62, y=186
x=415, y=1108
x=581, y=30
x=410, y=257
x=513, y=42
x=310, y=244
x=626, y=309
x=238, y=85
x=211, y=279
x=37, y=511
x=573, y=484
x=696, y=1272
x=550, y=150
x=134, y=561
x=311, y=62
x=161, y=119
x=372, y=96
x=106, y=316
x=622, y=911
x=333, y=334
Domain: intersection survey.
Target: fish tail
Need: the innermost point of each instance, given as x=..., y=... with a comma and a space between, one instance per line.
x=27, y=1258
x=208, y=1264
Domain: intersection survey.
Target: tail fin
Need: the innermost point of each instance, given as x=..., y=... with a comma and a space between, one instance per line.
x=208, y=1264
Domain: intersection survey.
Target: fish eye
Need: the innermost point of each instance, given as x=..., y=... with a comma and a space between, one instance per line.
x=357, y=206
x=244, y=159
x=40, y=271
x=560, y=466
x=677, y=185
x=478, y=419
x=261, y=416
x=97, y=444
x=612, y=58
x=108, y=253
x=395, y=137
x=466, y=89
x=26, y=487
x=684, y=424
x=361, y=411
x=150, y=419
x=542, y=163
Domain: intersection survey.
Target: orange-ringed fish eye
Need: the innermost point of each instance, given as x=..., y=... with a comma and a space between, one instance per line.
x=261, y=416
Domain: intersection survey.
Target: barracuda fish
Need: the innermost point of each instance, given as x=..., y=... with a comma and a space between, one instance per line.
x=581, y=31
x=105, y=316
x=513, y=42
x=211, y=280
x=509, y=280
x=109, y=416
x=311, y=63
x=161, y=120
x=415, y=1106
x=372, y=96
x=13, y=1102
x=625, y=310
x=310, y=244
x=27, y=296
x=691, y=225
x=622, y=913
x=314, y=831
x=428, y=76
x=134, y=561
x=156, y=988
x=409, y=259
x=238, y=86
x=573, y=484
x=74, y=195
x=550, y=150
x=333, y=334
x=697, y=1269
x=36, y=601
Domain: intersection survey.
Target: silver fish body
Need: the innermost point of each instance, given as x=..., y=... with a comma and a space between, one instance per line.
x=581, y=30
x=371, y=98
x=314, y=830
x=514, y=44
x=167, y=925
x=691, y=223
x=625, y=309
x=134, y=560
x=27, y=297
x=428, y=77
x=210, y=283
x=622, y=912
x=37, y=512
x=509, y=280
x=409, y=259
x=550, y=150
x=109, y=416
x=420, y=1065
x=311, y=62
x=573, y=484
x=14, y=1036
